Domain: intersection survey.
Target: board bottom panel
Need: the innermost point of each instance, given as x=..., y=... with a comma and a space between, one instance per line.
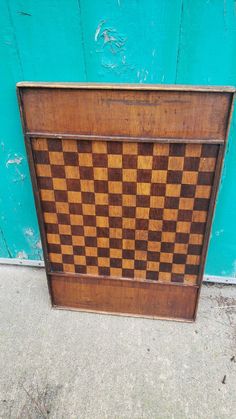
x=122, y=296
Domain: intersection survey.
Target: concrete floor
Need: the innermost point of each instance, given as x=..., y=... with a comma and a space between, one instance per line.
x=62, y=364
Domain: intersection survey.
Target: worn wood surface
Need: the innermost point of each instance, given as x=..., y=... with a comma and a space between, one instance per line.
x=118, y=296
x=125, y=224
x=125, y=210
x=145, y=113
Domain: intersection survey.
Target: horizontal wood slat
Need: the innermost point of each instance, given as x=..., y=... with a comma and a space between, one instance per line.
x=124, y=296
x=118, y=138
x=126, y=86
x=146, y=113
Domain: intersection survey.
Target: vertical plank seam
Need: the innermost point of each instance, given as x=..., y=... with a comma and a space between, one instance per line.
x=15, y=39
x=5, y=243
x=179, y=41
x=82, y=39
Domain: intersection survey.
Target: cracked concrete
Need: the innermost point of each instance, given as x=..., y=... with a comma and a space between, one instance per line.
x=60, y=364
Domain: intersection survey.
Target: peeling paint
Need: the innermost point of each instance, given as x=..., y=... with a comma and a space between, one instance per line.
x=219, y=232
x=22, y=255
x=29, y=235
x=107, y=36
x=16, y=160
x=110, y=66
x=29, y=231
x=97, y=32
x=142, y=75
x=21, y=177
x=34, y=242
x=38, y=244
x=111, y=44
x=233, y=274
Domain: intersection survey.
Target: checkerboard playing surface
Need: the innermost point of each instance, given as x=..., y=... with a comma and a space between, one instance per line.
x=125, y=209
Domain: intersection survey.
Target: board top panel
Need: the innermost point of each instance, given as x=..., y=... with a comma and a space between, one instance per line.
x=135, y=111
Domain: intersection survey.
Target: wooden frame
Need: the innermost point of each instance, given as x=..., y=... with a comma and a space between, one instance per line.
x=50, y=111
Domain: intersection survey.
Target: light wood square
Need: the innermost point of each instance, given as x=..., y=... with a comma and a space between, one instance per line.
x=43, y=170
x=85, y=160
x=40, y=144
x=130, y=148
x=114, y=161
x=56, y=158
x=62, y=208
x=72, y=172
x=70, y=146
x=74, y=197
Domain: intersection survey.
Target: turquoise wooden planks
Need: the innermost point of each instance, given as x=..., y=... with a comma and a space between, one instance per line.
x=131, y=41
x=39, y=41
x=207, y=56
x=159, y=41
x=49, y=39
x=18, y=223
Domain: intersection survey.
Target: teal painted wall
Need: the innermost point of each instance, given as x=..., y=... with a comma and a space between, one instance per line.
x=155, y=41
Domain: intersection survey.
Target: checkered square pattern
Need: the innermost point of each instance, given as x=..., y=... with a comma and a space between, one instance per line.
x=125, y=209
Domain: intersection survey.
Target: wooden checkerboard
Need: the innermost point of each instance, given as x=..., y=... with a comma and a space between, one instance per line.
x=125, y=219
x=123, y=209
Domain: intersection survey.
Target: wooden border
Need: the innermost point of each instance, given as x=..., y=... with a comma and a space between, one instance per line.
x=35, y=192
x=211, y=210
x=85, y=137
x=121, y=296
x=87, y=283
x=132, y=106
x=127, y=86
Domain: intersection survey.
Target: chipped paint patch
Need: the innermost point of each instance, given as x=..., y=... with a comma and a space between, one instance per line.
x=234, y=269
x=38, y=244
x=111, y=44
x=98, y=30
x=22, y=255
x=34, y=242
x=29, y=231
x=20, y=177
x=16, y=160
x=107, y=36
x=109, y=66
x=219, y=232
x=142, y=75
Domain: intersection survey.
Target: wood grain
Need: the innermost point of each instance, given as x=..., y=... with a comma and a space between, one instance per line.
x=124, y=296
x=135, y=210
x=165, y=114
